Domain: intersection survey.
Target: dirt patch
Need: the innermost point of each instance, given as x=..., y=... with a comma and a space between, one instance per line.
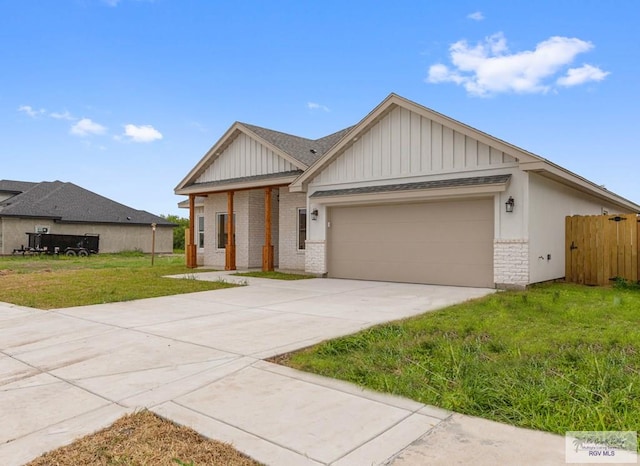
x=141, y=439
x=281, y=359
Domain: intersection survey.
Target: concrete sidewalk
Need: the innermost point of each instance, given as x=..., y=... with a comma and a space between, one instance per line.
x=197, y=360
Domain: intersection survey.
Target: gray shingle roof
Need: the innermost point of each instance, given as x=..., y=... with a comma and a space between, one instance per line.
x=69, y=203
x=11, y=186
x=297, y=147
x=267, y=176
x=453, y=183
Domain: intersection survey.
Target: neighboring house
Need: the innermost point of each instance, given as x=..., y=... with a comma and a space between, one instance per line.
x=64, y=208
x=405, y=195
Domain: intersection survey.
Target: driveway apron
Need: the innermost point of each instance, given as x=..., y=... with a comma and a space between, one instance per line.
x=197, y=359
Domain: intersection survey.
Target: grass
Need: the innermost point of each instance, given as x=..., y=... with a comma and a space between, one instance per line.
x=51, y=282
x=145, y=439
x=274, y=275
x=555, y=358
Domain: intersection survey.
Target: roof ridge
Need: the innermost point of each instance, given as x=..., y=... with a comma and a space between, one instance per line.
x=249, y=125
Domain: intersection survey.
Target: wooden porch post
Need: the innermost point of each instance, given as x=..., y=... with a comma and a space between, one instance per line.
x=192, y=260
x=230, y=247
x=267, y=249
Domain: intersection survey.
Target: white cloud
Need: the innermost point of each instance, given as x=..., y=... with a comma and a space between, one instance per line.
x=316, y=106
x=476, y=16
x=32, y=112
x=586, y=73
x=489, y=68
x=85, y=127
x=62, y=116
x=143, y=133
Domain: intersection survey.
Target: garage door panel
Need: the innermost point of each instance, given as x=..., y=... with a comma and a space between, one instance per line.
x=441, y=243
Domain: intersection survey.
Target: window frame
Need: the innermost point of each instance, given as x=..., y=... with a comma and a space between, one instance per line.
x=200, y=226
x=223, y=216
x=301, y=228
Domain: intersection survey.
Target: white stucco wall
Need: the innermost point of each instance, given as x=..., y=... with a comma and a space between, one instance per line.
x=549, y=203
x=113, y=238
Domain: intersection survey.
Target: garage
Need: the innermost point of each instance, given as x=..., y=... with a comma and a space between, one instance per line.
x=441, y=243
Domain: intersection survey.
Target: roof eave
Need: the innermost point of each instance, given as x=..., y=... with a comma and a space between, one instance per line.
x=558, y=173
x=239, y=186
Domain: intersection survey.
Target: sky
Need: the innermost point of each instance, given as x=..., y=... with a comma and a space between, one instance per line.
x=124, y=97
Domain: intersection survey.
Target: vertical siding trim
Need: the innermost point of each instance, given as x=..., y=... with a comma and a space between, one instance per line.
x=436, y=146
x=415, y=165
x=447, y=148
x=425, y=141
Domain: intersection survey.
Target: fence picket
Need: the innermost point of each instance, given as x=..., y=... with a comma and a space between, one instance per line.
x=599, y=248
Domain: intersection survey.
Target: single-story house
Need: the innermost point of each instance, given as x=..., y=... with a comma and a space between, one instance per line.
x=64, y=208
x=405, y=195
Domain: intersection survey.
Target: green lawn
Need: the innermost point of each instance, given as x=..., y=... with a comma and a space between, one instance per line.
x=49, y=282
x=556, y=357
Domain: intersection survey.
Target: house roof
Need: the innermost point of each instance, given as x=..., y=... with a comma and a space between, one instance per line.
x=312, y=156
x=16, y=187
x=69, y=203
x=301, y=152
x=527, y=160
x=304, y=150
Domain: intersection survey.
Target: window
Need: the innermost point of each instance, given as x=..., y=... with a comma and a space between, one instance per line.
x=302, y=228
x=222, y=229
x=200, y=232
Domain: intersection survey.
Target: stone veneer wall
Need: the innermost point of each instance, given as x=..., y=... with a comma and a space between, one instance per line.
x=511, y=263
x=315, y=257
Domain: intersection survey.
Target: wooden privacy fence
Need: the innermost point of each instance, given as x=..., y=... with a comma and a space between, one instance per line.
x=601, y=248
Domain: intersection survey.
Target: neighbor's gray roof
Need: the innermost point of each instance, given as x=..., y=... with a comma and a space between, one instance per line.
x=297, y=147
x=455, y=183
x=67, y=202
x=11, y=186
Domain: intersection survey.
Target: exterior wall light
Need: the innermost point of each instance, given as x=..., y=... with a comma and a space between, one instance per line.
x=509, y=204
x=314, y=214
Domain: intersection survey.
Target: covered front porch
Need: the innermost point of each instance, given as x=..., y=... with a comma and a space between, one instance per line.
x=256, y=216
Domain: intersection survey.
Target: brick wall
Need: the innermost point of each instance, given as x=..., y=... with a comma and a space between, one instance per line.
x=511, y=263
x=255, y=225
x=290, y=258
x=213, y=204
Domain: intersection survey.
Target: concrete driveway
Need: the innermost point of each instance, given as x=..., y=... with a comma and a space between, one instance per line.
x=197, y=360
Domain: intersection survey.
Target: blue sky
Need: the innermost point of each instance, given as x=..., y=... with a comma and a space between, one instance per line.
x=123, y=97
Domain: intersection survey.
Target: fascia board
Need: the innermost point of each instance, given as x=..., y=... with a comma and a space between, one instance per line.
x=240, y=186
x=417, y=195
x=564, y=176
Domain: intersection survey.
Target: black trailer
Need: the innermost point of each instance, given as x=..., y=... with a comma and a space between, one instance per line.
x=69, y=245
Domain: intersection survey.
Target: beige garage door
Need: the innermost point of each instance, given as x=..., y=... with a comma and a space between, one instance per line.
x=444, y=243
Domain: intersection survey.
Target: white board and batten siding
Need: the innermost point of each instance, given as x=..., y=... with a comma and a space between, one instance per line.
x=405, y=144
x=245, y=157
